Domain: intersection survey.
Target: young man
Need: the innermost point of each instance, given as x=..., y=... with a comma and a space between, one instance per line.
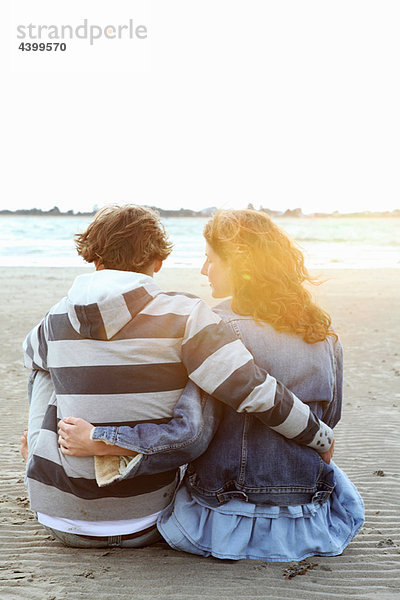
x=120, y=351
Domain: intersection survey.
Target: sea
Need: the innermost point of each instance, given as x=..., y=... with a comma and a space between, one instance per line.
x=327, y=242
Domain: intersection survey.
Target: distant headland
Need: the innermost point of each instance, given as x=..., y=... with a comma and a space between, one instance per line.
x=206, y=212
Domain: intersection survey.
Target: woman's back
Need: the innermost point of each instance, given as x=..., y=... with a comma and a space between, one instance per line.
x=246, y=459
x=313, y=372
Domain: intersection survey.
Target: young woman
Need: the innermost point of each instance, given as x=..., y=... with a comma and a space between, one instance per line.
x=253, y=493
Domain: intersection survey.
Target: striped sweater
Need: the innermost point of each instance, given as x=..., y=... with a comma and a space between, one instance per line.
x=119, y=351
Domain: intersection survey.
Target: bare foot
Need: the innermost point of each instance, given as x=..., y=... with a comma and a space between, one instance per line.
x=24, y=445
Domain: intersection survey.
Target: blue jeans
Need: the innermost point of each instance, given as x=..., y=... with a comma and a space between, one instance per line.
x=74, y=540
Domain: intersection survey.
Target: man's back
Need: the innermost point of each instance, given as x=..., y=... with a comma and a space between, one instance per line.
x=113, y=348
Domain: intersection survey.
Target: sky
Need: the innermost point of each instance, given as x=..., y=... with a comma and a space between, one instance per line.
x=281, y=104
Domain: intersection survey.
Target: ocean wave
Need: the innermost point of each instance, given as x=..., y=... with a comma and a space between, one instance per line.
x=327, y=243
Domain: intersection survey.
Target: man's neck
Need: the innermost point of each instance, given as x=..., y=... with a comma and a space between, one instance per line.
x=149, y=271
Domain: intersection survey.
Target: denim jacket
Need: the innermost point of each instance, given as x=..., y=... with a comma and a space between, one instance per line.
x=233, y=455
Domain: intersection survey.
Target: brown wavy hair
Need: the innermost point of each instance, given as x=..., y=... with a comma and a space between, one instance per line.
x=126, y=238
x=267, y=272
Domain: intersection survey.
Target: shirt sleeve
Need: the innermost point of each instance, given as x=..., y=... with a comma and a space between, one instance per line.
x=333, y=411
x=35, y=347
x=221, y=365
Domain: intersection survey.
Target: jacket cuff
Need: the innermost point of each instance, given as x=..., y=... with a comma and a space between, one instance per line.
x=108, y=435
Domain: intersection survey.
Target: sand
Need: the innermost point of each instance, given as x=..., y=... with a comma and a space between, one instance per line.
x=365, y=307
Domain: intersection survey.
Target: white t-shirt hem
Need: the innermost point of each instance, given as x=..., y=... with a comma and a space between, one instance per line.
x=100, y=528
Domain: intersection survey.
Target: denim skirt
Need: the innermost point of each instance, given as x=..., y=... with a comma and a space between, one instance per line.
x=238, y=529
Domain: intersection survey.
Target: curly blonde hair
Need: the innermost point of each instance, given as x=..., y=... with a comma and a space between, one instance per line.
x=267, y=272
x=125, y=238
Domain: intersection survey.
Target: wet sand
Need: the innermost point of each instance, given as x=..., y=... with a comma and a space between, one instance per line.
x=365, y=307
